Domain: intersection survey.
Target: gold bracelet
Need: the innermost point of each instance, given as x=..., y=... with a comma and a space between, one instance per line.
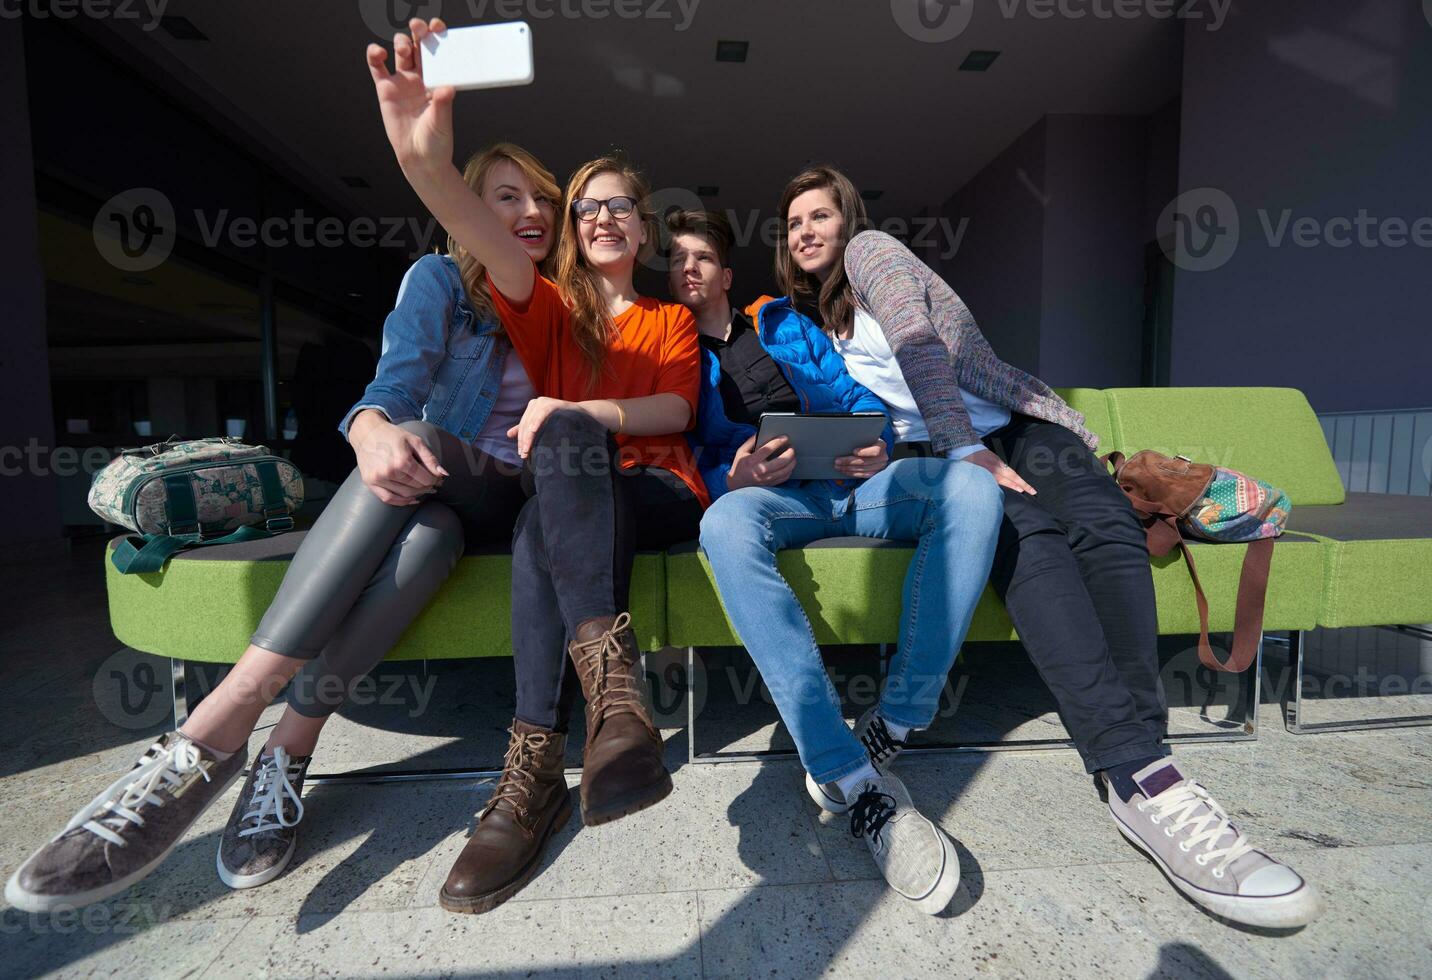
x=621, y=415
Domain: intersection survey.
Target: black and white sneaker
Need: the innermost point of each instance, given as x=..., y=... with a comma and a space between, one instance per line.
x=916, y=857
x=882, y=748
x=126, y=831
x=262, y=833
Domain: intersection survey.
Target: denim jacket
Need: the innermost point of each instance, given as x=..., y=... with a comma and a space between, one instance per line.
x=815, y=371
x=440, y=363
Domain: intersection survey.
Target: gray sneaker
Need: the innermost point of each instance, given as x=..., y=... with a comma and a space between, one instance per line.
x=880, y=746
x=916, y=857
x=262, y=833
x=126, y=831
x=1188, y=835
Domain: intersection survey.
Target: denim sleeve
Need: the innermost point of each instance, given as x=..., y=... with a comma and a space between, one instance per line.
x=414, y=345
x=854, y=396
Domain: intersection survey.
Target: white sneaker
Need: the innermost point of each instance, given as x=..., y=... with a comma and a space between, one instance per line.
x=1188, y=835
x=917, y=859
x=882, y=748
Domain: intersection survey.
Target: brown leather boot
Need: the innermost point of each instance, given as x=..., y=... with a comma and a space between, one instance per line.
x=530, y=804
x=622, y=769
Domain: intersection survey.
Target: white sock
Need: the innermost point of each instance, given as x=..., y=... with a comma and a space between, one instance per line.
x=901, y=732
x=851, y=781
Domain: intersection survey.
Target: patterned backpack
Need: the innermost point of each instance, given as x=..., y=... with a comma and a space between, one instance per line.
x=177, y=495
x=1177, y=498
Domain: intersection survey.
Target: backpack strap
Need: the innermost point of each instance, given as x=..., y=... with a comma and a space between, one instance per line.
x=1163, y=534
x=136, y=554
x=1248, y=616
x=276, y=513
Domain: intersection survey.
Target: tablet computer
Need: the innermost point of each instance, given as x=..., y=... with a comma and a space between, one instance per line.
x=820, y=438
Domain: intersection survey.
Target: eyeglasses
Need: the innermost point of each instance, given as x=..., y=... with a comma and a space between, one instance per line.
x=587, y=208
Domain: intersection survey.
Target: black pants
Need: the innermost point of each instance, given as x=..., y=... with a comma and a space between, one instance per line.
x=1072, y=568
x=573, y=548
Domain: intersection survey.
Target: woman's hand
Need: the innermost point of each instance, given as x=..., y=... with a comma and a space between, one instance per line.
x=418, y=122
x=864, y=462
x=533, y=418
x=767, y=466
x=1003, y=475
x=396, y=464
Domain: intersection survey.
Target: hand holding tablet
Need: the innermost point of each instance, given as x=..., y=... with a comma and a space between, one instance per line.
x=818, y=440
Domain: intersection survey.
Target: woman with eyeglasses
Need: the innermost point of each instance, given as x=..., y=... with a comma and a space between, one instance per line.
x=605, y=466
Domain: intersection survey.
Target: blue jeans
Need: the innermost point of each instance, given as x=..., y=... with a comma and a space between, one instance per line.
x=951, y=509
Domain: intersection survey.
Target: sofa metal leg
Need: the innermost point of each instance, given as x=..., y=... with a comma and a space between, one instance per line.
x=691, y=705
x=1293, y=712
x=179, y=688
x=1247, y=731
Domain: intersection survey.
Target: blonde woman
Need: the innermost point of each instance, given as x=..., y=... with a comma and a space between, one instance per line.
x=436, y=470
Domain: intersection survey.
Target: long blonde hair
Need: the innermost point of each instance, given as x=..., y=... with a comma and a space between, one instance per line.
x=475, y=174
x=833, y=297
x=592, y=324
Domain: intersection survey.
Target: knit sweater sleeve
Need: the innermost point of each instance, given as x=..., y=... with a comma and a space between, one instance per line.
x=891, y=284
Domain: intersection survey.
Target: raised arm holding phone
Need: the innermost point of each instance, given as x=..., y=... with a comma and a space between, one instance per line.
x=605, y=466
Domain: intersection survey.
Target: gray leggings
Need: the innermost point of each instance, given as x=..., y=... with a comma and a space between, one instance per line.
x=367, y=569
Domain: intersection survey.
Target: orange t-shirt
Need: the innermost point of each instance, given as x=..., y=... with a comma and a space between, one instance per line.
x=656, y=352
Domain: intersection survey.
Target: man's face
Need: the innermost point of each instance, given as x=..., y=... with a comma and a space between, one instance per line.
x=696, y=277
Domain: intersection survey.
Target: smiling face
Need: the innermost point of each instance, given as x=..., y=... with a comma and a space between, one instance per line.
x=696, y=277
x=526, y=211
x=815, y=232
x=609, y=244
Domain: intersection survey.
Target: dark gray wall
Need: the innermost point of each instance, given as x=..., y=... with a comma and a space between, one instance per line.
x=1327, y=112
x=1051, y=262
x=29, y=507
x=1091, y=325
x=997, y=269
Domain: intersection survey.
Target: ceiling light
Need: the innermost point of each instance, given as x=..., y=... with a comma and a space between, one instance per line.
x=978, y=60
x=181, y=28
x=731, y=50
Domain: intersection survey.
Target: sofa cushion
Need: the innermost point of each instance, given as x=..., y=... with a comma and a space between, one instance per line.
x=206, y=603
x=1268, y=433
x=1379, y=558
x=850, y=589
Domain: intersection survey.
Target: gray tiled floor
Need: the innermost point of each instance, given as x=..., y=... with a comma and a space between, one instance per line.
x=736, y=875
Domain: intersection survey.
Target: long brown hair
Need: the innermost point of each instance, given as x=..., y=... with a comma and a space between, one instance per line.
x=592, y=324
x=475, y=174
x=833, y=297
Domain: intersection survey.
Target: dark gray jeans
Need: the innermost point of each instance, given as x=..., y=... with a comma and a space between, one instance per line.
x=1073, y=570
x=367, y=569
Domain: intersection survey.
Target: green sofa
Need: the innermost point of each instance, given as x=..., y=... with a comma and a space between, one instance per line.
x=1348, y=560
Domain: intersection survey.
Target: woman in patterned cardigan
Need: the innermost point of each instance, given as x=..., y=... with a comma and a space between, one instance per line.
x=1071, y=564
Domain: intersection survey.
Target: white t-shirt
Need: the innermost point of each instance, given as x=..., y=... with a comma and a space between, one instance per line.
x=512, y=399
x=870, y=361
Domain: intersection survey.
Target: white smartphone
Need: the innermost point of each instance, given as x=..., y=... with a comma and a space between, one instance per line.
x=487, y=56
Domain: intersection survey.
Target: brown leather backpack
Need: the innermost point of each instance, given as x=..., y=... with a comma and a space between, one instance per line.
x=1165, y=492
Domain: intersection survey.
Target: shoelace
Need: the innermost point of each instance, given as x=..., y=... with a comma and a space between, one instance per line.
x=871, y=812
x=879, y=744
x=613, y=688
x=162, y=766
x=1181, y=804
x=518, y=783
x=271, y=789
